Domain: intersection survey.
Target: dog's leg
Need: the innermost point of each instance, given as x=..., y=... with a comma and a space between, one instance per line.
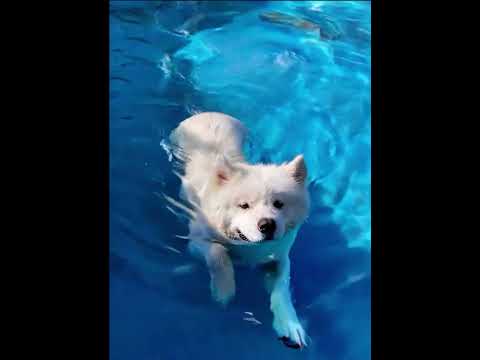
x=222, y=279
x=285, y=320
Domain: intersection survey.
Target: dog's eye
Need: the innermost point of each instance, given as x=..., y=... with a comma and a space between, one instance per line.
x=244, y=205
x=278, y=204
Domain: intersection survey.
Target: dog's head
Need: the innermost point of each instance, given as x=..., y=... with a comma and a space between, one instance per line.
x=259, y=203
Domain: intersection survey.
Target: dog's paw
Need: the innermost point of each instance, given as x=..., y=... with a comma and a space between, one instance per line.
x=222, y=288
x=222, y=279
x=291, y=333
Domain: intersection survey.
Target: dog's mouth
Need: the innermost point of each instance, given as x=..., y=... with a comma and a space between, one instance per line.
x=242, y=236
x=237, y=235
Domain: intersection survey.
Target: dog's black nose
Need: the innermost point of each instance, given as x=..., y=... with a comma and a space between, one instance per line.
x=267, y=227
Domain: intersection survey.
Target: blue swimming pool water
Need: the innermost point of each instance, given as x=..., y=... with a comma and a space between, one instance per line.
x=297, y=92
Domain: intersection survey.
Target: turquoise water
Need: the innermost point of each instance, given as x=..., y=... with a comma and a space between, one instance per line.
x=298, y=90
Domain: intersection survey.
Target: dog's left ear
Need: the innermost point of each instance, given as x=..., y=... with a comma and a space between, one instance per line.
x=223, y=170
x=298, y=169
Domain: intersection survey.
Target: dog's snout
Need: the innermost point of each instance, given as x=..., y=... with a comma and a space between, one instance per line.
x=267, y=227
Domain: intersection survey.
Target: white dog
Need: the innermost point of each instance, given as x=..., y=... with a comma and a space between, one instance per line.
x=242, y=213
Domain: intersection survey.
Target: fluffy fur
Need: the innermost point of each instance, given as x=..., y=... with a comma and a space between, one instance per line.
x=242, y=213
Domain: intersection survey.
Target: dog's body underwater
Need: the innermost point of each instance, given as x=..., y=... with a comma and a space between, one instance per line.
x=243, y=213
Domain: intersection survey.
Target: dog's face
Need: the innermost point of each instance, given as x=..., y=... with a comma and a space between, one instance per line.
x=262, y=202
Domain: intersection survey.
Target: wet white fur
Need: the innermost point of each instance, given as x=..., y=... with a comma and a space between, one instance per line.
x=216, y=180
